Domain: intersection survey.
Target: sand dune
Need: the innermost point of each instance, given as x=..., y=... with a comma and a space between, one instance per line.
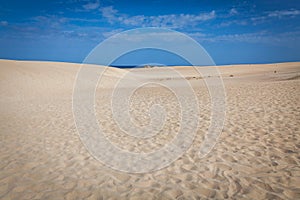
x=257, y=155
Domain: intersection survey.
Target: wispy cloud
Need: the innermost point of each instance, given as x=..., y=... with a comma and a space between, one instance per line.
x=233, y=11
x=49, y=21
x=280, y=14
x=172, y=21
x=111, y=33
x=56, y=21
x=256, y=37
x=284, y=13
x=256, y=19
x=234, y=22
x=50, y=26
x=110, y=14
x=260, y=37
x=3, y=23
x=91, y=5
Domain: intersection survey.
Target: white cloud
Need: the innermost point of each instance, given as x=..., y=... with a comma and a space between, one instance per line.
x=283, y=13
x=111, y=33
x=262, y=37
x=109, y=13
x=274, y=14
x=234, y=22
x=52, y=21
x=3, y=23
x=258, y=19
x=92, y=5
x=265, y=17
x=146, y=37
x=196, y=35
x=172, y=20
x=233, y=11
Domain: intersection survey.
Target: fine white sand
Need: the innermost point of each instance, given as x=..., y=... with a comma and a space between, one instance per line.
x=257, y=156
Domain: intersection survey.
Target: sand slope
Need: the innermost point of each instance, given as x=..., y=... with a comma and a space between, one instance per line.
x=257, y=155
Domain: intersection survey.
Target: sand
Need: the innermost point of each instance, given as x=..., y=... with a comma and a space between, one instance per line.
x=257, y=155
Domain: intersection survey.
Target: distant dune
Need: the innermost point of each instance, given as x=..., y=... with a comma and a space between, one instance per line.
x=257, y=155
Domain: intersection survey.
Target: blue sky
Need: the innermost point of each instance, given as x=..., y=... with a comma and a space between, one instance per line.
x=231, y=31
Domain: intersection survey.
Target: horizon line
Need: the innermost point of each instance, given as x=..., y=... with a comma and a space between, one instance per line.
x=143, y=66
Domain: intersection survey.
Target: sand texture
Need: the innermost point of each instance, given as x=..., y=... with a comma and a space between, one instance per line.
x=257, y=155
